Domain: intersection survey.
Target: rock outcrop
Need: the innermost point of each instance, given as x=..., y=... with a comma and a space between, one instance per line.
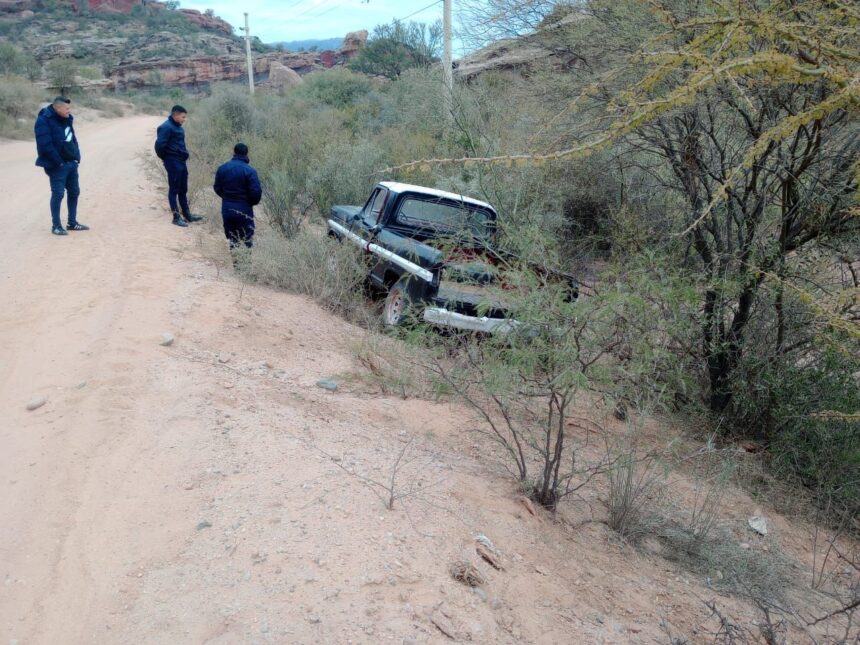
x=547, y=46
x=186, y=72
x=282, y=77
x=112, y=6
x=207, y=21
x=353, y=42
x=132, y=56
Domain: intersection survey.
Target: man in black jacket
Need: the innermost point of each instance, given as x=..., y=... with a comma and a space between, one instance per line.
x=59, y=155
x=170, y=148
x=238, y=186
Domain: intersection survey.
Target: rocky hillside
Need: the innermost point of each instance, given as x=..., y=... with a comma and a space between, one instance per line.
x=140, y=44
x=549, y=47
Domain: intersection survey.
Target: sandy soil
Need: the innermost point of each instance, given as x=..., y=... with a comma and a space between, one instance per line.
x=201, y=492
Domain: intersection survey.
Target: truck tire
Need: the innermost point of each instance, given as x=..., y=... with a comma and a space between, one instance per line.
x=397, y=303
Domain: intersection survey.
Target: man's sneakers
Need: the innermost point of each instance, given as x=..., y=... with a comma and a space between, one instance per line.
x=59, y=230
x=183, y=220
x=77, y=226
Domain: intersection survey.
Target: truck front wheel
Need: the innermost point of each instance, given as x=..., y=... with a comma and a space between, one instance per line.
x=397, y=303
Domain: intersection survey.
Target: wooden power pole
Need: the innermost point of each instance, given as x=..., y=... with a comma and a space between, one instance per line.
x=447, y=61
x=250, y=60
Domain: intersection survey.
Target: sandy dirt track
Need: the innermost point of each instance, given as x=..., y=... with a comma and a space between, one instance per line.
x=199, y=493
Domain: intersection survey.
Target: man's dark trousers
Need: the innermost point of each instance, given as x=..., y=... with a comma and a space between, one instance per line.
x=238, y=223
x=64, y=180
x=177, y=186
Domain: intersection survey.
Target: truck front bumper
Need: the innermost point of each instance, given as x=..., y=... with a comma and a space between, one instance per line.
x=444, y=318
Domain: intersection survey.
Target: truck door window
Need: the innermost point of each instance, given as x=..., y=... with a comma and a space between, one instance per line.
x=444, y=217
x=376, y=204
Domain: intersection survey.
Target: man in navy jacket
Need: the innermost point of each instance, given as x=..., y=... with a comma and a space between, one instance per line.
x=59, y=155
x=238, y=186
x=170, y=148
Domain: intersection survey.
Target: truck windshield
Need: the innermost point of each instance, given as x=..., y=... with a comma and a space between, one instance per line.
x=445, y=217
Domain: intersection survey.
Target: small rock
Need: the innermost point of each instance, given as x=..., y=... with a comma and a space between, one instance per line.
x=205, y=524
x=223, y=358
x=36, y=403
x=314, y=620
x=758, y=524
x=487, y=542
x=81, y=385
x=745, y=546
x=327, y=384
x=167, y=339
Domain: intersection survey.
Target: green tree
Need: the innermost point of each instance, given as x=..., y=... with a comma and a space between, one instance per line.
x=62, y=74
x=14, y=61
x=745, y=111
x=394, y=48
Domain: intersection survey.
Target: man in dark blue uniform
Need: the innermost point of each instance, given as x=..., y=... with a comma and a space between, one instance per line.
x=59, y=155
x=170, y=148
x=238, y=186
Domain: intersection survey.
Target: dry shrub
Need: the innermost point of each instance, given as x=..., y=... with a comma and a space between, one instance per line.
x=636, y=488
x=19, y=105
x=395, y=368
x=312, y=264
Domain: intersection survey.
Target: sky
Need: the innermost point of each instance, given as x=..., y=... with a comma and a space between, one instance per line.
x=284, y=20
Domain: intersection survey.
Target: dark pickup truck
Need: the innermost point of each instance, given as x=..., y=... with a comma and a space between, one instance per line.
x=397, y=228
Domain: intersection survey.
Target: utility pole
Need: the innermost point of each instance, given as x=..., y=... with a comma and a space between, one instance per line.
x=248, y=58
x=447, y=61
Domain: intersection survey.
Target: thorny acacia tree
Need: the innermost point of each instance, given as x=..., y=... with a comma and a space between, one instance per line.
x=747, y=110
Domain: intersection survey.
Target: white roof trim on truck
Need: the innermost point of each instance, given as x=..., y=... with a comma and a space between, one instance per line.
x=397, y=187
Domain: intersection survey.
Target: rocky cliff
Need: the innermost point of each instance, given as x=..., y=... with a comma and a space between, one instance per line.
x=140, y=44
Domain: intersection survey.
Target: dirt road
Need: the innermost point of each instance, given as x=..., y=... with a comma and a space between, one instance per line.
x=170, y=494
x=210, y=492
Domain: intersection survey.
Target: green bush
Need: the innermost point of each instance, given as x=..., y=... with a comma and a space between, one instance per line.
x=19, y=103
x=345, y=174
x=807, y=414
x=337, y=88
x=14, y=61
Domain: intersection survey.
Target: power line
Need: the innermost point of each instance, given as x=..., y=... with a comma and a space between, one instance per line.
x=415, y=13
x=314, y=8
x=325, y=12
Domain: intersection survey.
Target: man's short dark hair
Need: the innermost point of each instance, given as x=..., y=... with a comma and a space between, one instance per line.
x=61, y=99
x=178, y=109
x=240, y=149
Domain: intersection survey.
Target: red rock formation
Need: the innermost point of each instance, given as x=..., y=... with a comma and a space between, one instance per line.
x=113, y=6
x=328, y=58
x=204, y=20
x=207, y=21
x=353, y=42
x=202, y=70
x=184, y=72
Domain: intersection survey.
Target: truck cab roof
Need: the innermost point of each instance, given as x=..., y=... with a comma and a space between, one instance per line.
x=399, y=188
